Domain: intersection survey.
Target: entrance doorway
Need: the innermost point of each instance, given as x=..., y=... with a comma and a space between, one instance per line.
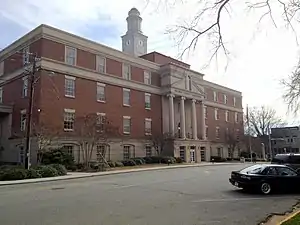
x=192, y=154
x=202, y=154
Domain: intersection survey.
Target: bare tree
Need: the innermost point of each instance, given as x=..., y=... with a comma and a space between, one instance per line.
x=159, y=142
x=91, y=130
x=262, y=119
x=233, y=138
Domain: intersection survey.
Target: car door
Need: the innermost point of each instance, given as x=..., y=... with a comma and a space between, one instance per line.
x=288, y=179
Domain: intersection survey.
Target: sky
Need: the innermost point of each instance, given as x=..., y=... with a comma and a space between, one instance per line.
x=260, y=53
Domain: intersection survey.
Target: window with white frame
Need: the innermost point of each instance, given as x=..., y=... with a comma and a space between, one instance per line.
x=126, y=124
x=234, y=101
x=1, y=94
x=70, y=57
x=217, y=132
x=25, y=87
x=126, y=97
x=100, y=92
x=69, y=119
x=100, y=152
x=26, y=55
x=148, y=126
x=126, y=71
x=148, y=150
x=147, y=77
x=1, y=68
x=126, y=152
x=205, y=112
x=215, y=96
x=101, y=64
x=227, y=116
x=236, y=117
x=69, y=149
x=225, y=99
x=101, y=121
x=216, y=114
x=70, y=86
x=147, y=101
x=23, y=118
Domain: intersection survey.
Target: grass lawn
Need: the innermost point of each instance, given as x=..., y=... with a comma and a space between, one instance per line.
x=293, y=221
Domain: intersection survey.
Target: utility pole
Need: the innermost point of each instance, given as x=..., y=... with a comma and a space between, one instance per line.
x=249, y=136
x=270, y=147
x=31, y=82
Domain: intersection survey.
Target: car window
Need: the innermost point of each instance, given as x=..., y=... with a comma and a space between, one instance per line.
x=256, y=169
x=284, y=171
x=270, y=171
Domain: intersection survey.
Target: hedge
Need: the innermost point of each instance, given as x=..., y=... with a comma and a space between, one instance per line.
x=20, y=173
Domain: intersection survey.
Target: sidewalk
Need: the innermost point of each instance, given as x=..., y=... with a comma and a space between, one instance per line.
x=77, y=175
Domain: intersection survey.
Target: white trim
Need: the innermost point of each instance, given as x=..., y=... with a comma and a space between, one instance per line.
x=23, y=111
x=70, y=77
x=1, y=68
x=227, y=113
x=222, y=106
x=97, y=63
x=101, y=114
x=70, y=47
x=148, y=119
x=69, y=110
x=126, y=117
x=147, y=94
x=126, y=89
x=101, y=84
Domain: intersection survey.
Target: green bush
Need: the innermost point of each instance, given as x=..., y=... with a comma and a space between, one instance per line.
x=58, y=156
x=33, y=173
x=111, y=164
x=179, y=160
x=129, y=163
x=138, y=161
x=13, y=174
x=61, y=169
x=47, y=171
x=119, y=164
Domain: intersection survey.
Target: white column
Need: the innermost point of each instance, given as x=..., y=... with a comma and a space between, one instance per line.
x=182, y=118
x=203, y=121
x=171, y=114
x=194, y=119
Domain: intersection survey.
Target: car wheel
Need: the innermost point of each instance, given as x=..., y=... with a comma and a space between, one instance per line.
x=265, y=188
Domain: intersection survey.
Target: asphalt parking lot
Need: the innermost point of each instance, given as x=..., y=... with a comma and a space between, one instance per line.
x=198, y=195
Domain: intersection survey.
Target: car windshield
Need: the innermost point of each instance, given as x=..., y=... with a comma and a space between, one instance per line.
x=256, y=169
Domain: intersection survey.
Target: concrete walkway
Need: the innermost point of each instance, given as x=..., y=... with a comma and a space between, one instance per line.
x=77, y=175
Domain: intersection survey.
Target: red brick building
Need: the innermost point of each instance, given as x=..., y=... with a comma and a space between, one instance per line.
x=144, y=94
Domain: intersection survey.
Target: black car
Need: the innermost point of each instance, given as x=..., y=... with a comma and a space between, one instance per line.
x=290, y=159
x=266, y=178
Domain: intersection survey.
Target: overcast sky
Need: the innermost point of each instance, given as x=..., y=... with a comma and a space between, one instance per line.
x=260, y=55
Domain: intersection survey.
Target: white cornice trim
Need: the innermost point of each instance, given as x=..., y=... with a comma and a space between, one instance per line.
x=221, y=106
x=221, y=88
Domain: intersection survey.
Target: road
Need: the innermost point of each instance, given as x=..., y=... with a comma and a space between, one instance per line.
x=198, y=195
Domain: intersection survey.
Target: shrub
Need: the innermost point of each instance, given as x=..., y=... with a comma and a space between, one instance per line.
x=148, y=160
x=58, y=156
x=47, y=171
x=119, y=164
x=129, y=163
x=61, y=169
x=138, y=161
x=179, y=160
x=33, y=173
x=217, y=159
x=111, y=163
x=13, y=174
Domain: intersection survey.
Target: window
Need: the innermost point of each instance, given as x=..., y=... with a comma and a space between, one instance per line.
x=234, y=101
x=148, y=151
x=23, y=120
x=69, y=86
x=69, y=149
x=1, y=95
x=126, y=71
x=227, y=116
x=126, y=124
x=70, y=57
x=205, y=112
x=225, y=99
x=216, y=114
x=283, y=171
x=217, y=132
x=215, y=96
x=126, y=152
x=147, y=77
x=101, y=64
x=126, y=97
x=101, y=121
x=147, y=101
x=189, y=83
x=69, y=117
x=206, y=131
x=237, y=134
x=100, y=92
x=1, y=68
x=100, y=153
x=26, y=56
x=236, y=117
x=148, y=123
x=25, y=87
x=256, y=169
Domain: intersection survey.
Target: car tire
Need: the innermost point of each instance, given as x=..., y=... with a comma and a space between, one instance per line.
x=265, y=188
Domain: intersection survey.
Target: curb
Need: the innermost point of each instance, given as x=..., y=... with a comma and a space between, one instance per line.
x=289, y=217
x=51, y=179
